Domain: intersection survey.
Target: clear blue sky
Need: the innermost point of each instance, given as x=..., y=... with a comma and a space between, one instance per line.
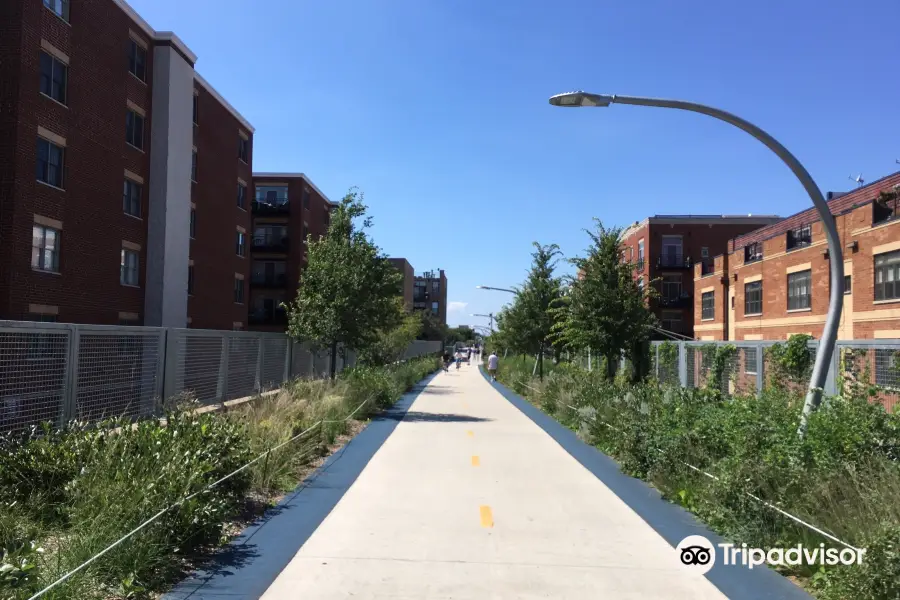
x=437, y=110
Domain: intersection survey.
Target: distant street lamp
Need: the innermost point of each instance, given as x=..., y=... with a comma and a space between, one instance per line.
x=498, y=289
x=826, y=345
x=487, y=316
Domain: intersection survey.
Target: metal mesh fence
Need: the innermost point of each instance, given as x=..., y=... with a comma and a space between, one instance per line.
x=243, y=354
x=199, y=365
x=33, y=376
x=867, y=368
x=273, y=357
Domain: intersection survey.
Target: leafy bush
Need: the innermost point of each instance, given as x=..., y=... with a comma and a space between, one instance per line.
x=844, y=476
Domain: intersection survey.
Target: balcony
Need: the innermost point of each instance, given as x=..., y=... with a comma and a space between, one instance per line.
x=271, y=207
x=267, y=317
x=271, y=244
x=886, y=208
x=682, y=300
x=707, y=267
x=268, y=280
x=673, y=260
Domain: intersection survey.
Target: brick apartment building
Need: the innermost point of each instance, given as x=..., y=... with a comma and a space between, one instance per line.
x=430, y=293
x=287, y=208
x=406, y=269
x=665, y=249
x=774, y=282
x=112, y=204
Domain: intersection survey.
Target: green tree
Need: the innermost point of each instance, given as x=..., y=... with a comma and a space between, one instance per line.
x=606, y=309
x=391, y=343
x=433, y=329
x=348, y=291
x=537, y=302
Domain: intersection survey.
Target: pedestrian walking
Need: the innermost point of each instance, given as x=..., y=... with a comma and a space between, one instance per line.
x=493, y=361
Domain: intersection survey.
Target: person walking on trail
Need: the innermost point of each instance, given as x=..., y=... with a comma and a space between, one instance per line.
x=492, y=366
x=458, y=360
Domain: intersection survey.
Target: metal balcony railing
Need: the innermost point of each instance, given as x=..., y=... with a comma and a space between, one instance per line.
x=267, y=280
x=267, y=317
x=269, y=206
x=681, y=300
x=271, y=243
x=673, y=261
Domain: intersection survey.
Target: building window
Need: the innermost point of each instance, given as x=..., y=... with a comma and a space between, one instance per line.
x=708, y=306
x=243, y=149
x=887, y=368
x=753, y=298
x=195, y=108
x=671, y=320
x=190, y=280
x=848, y=285
x=238, y=290
x=434, y=308
x=50, y=162
x=53, y=78
x=128, y=271
x=59, y=7
x=753, y=252
x=130, y=321
x=799, y=237
x=45, y=248
x=240, y=245
x=134, y=129
x=131, y=200
x=887, y=276
x=671, y=286
x=305, y=197
x=194, y=166
x=193, y=223
x=137, y=60
x=242, y=196
x=799, y=292
x=750, y=360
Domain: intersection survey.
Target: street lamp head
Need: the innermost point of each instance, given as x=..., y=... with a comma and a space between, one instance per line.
x=480, y=287
x=579, y=99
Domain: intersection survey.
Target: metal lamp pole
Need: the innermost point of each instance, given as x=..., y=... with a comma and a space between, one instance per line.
x=487, y=287
x=826, y=345
x=487, y=316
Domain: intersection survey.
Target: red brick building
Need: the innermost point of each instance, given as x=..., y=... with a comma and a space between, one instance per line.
x=665, y=249
x=406, y=269
x=774, y=282
x=96, y=192
x=287, y=208
x=430, y=293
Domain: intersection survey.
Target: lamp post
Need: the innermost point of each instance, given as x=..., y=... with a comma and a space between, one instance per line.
x=498, y=289
x=829, y=333
x=487, y=316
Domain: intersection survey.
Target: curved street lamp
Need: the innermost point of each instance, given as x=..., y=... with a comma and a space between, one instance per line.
x=826, y=345
x=498, y=289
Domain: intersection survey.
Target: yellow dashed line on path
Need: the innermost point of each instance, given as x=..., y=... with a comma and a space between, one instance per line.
x=476, y=462
x=487, y=518
x=470, y=434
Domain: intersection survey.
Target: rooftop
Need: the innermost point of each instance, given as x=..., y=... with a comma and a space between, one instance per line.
x=263, y=175
x=701, y=220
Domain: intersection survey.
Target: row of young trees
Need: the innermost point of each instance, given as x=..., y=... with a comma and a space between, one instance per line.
x=602, y=308
x=350, y=296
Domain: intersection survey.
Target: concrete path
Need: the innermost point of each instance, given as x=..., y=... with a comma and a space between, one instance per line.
x=468, y=498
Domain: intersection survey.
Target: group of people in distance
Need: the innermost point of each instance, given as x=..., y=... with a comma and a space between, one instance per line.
x=457, y=357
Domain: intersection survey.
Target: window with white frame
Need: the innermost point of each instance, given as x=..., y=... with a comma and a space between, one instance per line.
x=887, y=276
x=238, y=290
x=45, y=248
x=54, y=74
x=799, y=237
x=129, y=267
x=137, y=60
x=240, y=243
x=750, y=360
x=708, y=306
x=242, y=196
x=243, y=149
x=753, y=298
x=799, y=292
x=59, y=7
x=131, y=198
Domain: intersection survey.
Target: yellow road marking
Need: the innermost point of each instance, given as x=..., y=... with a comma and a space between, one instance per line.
x=470, y=434
x=476, y=461
x=487, y=518
x=465, y=405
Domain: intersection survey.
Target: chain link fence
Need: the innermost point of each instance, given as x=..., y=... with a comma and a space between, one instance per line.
x=869, y=367
x=56, y=372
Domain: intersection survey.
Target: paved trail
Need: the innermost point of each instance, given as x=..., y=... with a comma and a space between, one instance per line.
x=468, y=498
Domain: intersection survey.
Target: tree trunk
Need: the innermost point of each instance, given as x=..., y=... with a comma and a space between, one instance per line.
x=612, y=364
x=333, y=365
x=541, y=361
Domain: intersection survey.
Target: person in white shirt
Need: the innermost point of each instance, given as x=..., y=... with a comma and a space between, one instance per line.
x=492, y=365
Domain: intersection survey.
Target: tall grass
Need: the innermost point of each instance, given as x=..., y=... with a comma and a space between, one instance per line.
x=67, y=494
x=843, y=477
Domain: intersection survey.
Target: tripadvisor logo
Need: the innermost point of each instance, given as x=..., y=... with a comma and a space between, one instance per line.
x=699, y=554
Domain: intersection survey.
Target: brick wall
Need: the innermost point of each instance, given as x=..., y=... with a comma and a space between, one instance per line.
x=87, y=288
x=714, y=281
x=219, y=218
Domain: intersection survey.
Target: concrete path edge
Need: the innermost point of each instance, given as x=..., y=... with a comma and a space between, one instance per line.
x=672, y=522
x=249, y=564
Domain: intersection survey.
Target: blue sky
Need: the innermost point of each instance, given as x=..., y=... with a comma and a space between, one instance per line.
x=437, y=110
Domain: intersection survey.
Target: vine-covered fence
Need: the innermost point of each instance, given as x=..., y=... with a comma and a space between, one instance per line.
x=868, y=366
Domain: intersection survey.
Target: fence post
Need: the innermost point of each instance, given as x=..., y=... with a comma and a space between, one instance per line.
x=288, y=360
x=260, y=344
x=589, y=359
x=70, y=396
x=833, y=371
x=682, y=364
x=168, y=360
x=760, y=365
x=222, y=385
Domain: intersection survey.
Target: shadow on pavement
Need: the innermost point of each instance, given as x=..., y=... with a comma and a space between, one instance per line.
x=423, y=417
